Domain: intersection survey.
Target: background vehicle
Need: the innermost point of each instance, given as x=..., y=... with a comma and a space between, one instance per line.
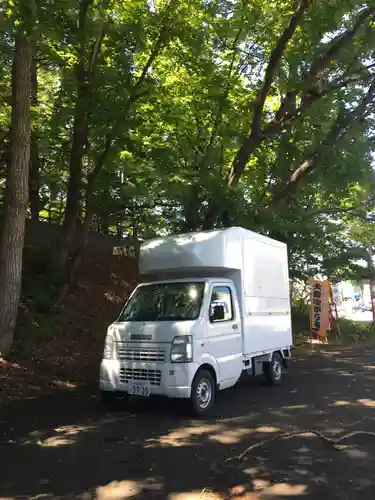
x=214, y=304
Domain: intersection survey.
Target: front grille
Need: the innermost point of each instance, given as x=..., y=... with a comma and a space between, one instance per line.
x=153, y=354
x=141, y=374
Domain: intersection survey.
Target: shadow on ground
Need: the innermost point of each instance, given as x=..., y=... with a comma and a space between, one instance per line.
x=66, y=446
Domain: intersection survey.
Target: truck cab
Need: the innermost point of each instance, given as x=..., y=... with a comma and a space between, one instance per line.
x=167, y=331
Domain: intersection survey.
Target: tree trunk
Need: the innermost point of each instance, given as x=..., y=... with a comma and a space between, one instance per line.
x=226, y=218
x=16, y=197
x=371, y=281
x=191, y=212
x=104, y=224
x=82, y=237
x=34, y=178
x=211, y=216
x=73, y=200
x=192, y=221
x=119, y=227
x=79, y=143
x=52, y=199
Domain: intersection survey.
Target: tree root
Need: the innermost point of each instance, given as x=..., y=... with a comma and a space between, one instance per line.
x=335, y=443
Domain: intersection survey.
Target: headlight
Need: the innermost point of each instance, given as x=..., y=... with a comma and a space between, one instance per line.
x=182, y=349
x=109, y=348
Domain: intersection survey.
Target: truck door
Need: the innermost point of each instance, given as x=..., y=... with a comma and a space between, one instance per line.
x=224, y=334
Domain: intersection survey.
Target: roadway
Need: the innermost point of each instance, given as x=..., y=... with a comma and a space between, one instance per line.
x=65, y=446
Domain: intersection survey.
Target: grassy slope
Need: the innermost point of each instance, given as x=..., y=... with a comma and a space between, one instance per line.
x=62, y=348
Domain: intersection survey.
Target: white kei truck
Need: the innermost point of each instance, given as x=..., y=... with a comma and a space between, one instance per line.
x=213, y=304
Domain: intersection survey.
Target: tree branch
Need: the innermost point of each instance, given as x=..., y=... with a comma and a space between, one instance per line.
x=322, y=63
x=340, y=127
x=96, y=50
x=337, y=45
x=253, y=139
x=286, y=118
x=274, y=62
x=121, y=126
x=335, y=443
x=146, y=206
x=354, y=211
x=153, y=55
x=97, y=46
x=219, y=111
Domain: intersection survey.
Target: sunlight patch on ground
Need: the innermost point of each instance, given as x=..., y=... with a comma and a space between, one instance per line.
x=214, y=432
x=73, y=430
x=116, y=490
x=260, y=484
x=64, y=384
x=240, y=492
x=261, y=490
x=183, y=436
x=284, y=490
x=354, y=452
x=268, y=490
x=196, y=495
x=231, y=436
x=266, y=429
x=55, y=441
x=367, y=402
x=66, y=435
x=341, y=402
x=251, y=471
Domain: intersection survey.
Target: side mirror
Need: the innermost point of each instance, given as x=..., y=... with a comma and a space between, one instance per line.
x=218, y=313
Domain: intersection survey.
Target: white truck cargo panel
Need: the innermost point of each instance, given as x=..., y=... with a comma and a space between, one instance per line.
x=209, y=249
x=257, y=265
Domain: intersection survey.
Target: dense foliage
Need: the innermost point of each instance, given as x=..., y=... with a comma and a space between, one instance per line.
x=153, y=116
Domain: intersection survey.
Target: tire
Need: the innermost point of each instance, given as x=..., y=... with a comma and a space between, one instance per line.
x=274, y=370
x=111, y=400
x=203, y=393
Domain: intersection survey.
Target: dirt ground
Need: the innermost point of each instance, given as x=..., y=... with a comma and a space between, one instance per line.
x=65, y=446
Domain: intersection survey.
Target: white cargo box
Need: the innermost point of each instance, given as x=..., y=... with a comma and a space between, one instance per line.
x=209, y=249
x=232, y=249
x=257, y=265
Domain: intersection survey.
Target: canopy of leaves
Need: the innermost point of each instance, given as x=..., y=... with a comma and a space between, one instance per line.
x=180, y=96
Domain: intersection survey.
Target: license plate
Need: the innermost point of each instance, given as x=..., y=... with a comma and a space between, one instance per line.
x=137, y=389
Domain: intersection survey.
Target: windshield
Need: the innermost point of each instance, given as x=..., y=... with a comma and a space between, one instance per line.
x=164, y=302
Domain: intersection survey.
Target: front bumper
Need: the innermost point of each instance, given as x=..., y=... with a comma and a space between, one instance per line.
x=175, y=378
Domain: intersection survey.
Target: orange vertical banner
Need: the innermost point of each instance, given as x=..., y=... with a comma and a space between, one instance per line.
x=320, y=308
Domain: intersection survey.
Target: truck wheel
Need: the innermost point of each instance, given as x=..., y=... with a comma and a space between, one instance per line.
x=203, y=393
x=111, y=400
x=274, y=370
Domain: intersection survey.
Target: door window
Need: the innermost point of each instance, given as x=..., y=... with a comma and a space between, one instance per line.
x=221, y=296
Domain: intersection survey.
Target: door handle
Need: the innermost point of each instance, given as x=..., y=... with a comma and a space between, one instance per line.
x=235, y=327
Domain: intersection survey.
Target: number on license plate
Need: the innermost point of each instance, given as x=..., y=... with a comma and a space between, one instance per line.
x=139, y=390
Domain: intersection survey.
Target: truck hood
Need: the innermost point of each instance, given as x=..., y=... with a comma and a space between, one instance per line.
x=154, y=332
